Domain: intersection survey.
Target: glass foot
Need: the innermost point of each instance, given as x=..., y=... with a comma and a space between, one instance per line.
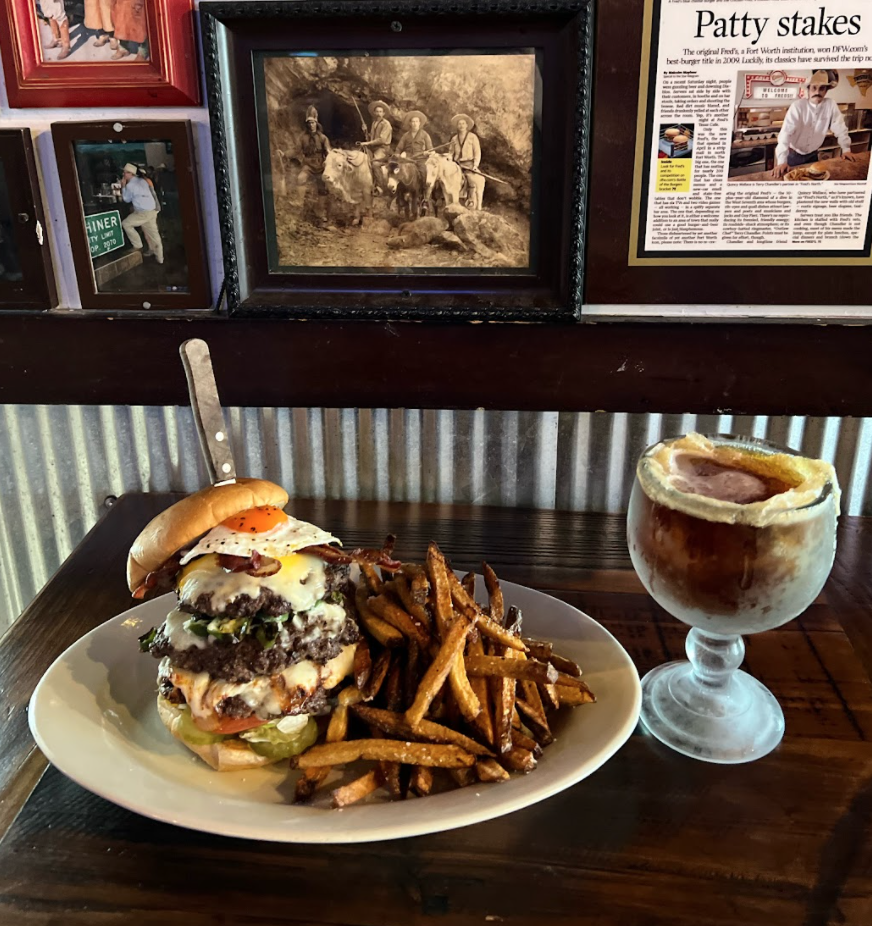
x=738, y=723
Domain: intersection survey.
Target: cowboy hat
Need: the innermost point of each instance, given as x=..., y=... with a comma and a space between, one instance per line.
x=409, y=116
x=828, y=78
x=130, y=169
x=375, y=103
x=470, y=122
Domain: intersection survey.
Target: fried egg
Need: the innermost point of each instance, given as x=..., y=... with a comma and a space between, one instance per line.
x=266, y=530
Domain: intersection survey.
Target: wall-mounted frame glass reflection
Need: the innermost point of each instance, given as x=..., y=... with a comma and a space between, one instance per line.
x=132, y=204
x=26, y=276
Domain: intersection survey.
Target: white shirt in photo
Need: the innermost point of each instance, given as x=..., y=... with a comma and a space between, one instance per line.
x=807, y=124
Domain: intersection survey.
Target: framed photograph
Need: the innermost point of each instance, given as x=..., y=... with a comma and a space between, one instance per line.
x=100, y=53
x=26, y=276
x=131, y=197
x=423, y=162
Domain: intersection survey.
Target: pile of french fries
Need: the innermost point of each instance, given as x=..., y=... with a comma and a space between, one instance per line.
x=440, y=682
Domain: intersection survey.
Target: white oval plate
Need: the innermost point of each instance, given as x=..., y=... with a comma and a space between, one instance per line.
x=93, y=715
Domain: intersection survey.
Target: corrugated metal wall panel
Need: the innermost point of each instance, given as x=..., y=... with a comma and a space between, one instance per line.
x=59, y=464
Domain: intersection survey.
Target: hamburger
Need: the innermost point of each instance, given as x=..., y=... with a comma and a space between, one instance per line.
x=263, y=627
x=671, y=133
x=815, y=173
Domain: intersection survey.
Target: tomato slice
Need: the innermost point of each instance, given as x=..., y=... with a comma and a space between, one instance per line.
x=228, y=725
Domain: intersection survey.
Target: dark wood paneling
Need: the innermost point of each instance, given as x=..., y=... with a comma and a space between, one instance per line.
x=636, y=367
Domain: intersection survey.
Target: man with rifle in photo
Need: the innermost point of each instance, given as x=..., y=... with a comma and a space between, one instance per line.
x=378, y=144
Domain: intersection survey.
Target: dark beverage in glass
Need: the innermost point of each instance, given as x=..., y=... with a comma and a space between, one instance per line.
x=732, y=536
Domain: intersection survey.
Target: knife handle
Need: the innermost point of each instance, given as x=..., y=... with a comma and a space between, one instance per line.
x=208, y=416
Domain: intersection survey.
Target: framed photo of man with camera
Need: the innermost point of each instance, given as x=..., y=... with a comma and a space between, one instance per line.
x=132, y=204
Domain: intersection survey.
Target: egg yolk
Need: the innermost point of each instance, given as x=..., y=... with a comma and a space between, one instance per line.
x=256, y=520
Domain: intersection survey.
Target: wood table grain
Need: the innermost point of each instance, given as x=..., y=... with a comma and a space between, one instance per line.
x=651, y=838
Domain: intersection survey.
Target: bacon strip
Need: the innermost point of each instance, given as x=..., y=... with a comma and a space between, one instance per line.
x=360, y=555
x=254, y=565
x=161, y=579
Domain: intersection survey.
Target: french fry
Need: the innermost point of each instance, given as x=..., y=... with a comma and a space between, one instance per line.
x=337, y=729
x=440, y=579
x=468, y=582
x=520, y=669
x=550, y=697
x=462, y=776
x=393, y=697
x=371, y=577
x=356, y=790
x=495, y=594
x=393, y=687
x=380, y=670
x=564, y=665
x=538, y=649
x=436, y=755
x=522, y=741
x=452, y=644
x=309, y=782
x=347, y=697
x=463, y=601
x=484, y=722
x=514, y=619
x=362, y=663
x=504, y=706
x=399, y=586
x=464, y=695
x=570, y=681
x=376, y=627
x=421, y=782
x=395, y=724
x=500, y=635
x=412, y=671
x=534, y=718
x=391, y=612
x=419, y=582
x=574, y=696
x=490, y=770
x=518, y=760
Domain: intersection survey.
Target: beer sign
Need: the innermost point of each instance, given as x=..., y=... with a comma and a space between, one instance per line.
x=104, y=232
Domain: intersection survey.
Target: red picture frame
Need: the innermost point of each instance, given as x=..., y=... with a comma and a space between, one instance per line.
x=170, y=76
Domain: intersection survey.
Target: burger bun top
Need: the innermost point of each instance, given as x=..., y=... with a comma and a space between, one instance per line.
x=190, y=518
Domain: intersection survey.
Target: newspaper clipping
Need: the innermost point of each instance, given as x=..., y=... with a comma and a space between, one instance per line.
x=754, y=135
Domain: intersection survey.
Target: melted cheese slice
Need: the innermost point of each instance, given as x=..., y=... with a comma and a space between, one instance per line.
x=301, y=581
x=266, y=695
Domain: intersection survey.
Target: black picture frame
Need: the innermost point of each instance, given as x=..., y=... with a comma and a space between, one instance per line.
x=561, y=31
x=190, y=243
x=31, y=284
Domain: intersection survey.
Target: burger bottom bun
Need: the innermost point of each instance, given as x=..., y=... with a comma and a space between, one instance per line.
x=230, y=755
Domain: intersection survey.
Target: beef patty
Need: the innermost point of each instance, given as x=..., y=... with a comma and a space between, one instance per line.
x=267, y=602
x=242, y=661
x=316, y=703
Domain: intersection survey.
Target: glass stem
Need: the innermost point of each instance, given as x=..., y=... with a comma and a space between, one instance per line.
x=714, y=658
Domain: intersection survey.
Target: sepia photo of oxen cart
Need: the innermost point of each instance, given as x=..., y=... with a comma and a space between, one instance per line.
x=399, y=161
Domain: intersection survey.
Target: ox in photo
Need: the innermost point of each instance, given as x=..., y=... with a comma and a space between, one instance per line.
x=393, y=161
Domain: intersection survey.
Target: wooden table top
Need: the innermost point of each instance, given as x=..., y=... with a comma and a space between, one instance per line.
x=651, y=838
x=839, y=169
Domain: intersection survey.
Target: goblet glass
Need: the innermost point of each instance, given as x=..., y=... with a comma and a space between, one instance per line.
x=728, y=551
